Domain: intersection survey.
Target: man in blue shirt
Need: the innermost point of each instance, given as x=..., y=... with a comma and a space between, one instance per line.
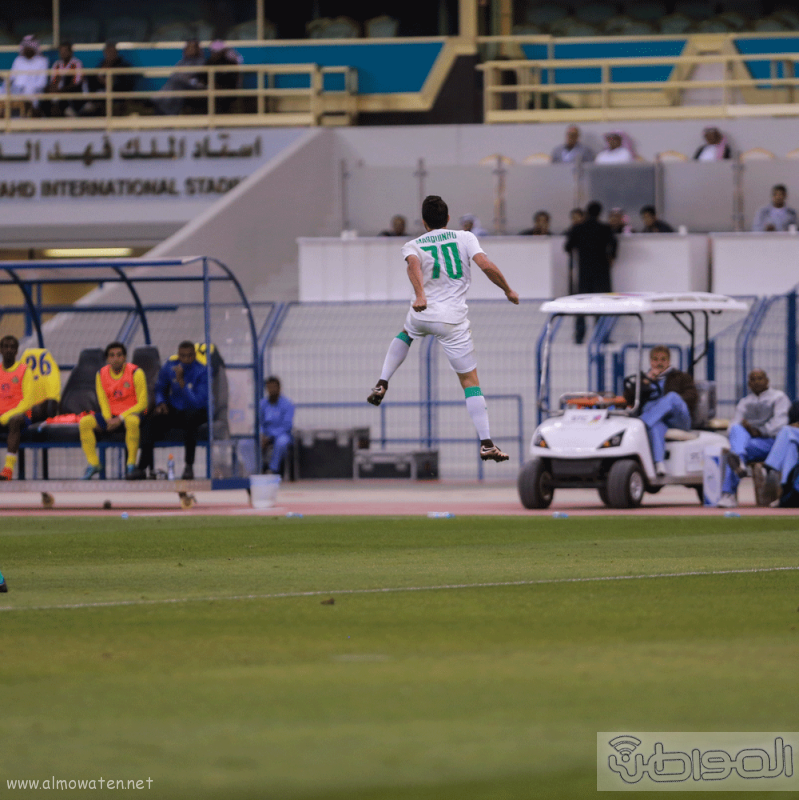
x=181, y=401
x=276, y=415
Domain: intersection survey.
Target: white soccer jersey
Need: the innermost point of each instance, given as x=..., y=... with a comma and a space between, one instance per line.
x=446, y=259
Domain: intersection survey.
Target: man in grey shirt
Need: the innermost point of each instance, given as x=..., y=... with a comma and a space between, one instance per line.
x=757, y=421
x=571, y=151
x=777, y=216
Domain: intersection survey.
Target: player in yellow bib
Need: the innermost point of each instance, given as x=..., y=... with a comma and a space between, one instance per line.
x=122, y=394
x=18, y=401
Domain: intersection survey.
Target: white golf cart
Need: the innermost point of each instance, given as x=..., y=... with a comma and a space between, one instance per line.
x=594, y=440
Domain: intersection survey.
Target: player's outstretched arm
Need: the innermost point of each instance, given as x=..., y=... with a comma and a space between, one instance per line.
x=494, y=274
x=417, y=281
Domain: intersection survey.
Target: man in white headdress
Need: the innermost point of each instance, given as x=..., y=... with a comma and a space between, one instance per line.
x=27, y=76
x=619, y=149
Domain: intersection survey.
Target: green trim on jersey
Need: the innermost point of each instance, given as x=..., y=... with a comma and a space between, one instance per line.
x=473, y=391
x=404, y=337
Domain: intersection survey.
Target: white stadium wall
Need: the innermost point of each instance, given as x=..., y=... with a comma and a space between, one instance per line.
x=312, y=183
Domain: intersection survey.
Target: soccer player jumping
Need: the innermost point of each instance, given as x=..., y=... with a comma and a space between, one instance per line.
x=439, y=268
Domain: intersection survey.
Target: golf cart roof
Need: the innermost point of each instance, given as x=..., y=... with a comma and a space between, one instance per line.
x=642, y=303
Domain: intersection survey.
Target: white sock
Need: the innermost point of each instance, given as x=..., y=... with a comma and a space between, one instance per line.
x=478, y=411
x=397, y=353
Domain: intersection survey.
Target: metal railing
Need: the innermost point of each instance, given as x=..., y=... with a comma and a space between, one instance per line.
x=264, y=98
x=542, y=92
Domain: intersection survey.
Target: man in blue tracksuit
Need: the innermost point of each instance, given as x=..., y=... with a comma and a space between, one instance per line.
x=181, y=401
x=276, y=416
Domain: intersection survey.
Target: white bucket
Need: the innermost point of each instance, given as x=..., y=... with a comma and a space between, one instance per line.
x=263, y=490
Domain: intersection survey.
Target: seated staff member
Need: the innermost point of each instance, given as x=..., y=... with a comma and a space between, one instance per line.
x=758, y=419
x=276, y=414
x=181, y=401
x=122, y=394
x=18, y=407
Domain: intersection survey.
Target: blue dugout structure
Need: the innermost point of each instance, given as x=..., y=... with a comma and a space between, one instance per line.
x=133, y=275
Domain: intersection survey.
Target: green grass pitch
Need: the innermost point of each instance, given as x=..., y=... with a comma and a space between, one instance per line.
x=248, y=685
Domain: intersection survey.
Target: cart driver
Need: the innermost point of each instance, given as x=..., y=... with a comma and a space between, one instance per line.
x=668, y=397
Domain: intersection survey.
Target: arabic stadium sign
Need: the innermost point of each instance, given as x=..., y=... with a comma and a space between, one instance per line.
x=696, y=762
x=103, y=166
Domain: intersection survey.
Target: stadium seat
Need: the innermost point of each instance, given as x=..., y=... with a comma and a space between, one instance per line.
x=751, y=9
x=789, y=16
x=714, y=25
x=770, y=25
x=595, y=13
x=126, y=29
x=180, y=31
x=538, y=158
x=79, y=392
x=527, y=29
x=491, y=161
x=40, y=28
x=382, y=27
x=622, y=25
x=695, y=9
x=674, y=24
x=338, y=28
x=545, y=15
x=249, y=30
x=646, y=11
x=85, y=30
x=671, y=155
x=756, y=154
x=573, y=27
x=148, y=358
x=735, y=19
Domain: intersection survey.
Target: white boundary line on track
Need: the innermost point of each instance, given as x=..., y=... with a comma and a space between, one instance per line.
x=389, y=590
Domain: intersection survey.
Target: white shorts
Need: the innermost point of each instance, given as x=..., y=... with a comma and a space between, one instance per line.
x=456, y=339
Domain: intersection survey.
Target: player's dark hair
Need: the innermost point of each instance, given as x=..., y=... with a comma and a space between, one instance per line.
x=648, y=210
x=114, y=346
x=435, y=212
x=541, y=214
x=593, y=209
x=272, y=379
x=185, y=345
x=780, y=187
x=10, y=338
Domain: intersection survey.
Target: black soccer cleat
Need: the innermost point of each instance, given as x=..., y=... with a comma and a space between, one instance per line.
x=492, y=453
x=3, y=586
x=377, y=395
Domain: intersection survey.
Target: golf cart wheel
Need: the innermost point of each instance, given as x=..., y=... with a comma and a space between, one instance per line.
x=625, y=486
x=603, y=495
x=535, y=485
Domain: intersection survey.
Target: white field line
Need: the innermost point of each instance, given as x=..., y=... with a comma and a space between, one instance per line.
x=389, y=590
